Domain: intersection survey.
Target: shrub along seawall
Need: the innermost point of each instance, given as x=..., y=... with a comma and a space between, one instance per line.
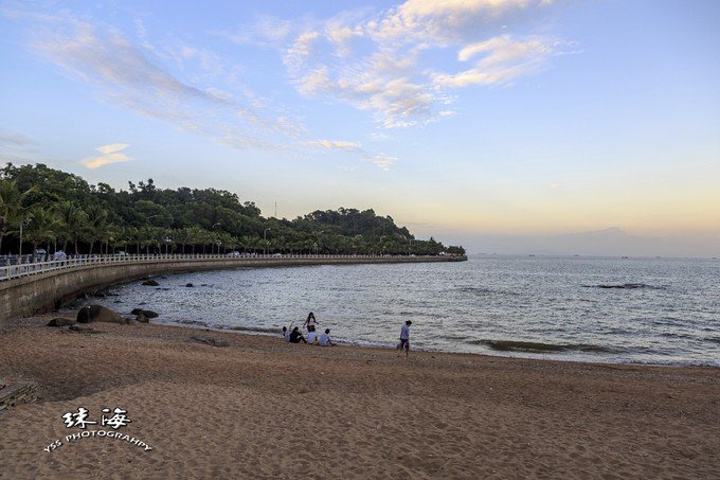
x=47, y=291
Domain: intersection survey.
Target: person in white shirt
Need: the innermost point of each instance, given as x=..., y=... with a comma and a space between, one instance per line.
x=405, y=338
x=310, y=323
x=286, y=334
x=311, y=337
x=324, y=340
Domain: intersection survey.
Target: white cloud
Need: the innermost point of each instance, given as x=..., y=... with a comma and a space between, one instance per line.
x=505, y=59
x=334, y=145
x=111, y=153
x=395, y=64
x=445, y=20
x=315, y=81
x=383, y=161
x=133, y=76
x=300, y=49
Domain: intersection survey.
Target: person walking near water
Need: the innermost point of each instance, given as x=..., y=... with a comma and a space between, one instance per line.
x=405, y=338
x=310, y=324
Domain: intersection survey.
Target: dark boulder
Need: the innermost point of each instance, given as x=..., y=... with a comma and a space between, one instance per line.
x=142, y=318
x=147, y=313
x=81, y=329
x=60, y=322
x=98, y=313
x=189, y=285
x=150, y=283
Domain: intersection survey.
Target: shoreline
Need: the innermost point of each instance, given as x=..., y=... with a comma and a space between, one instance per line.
x=541, y=357
x=255, y=407
x=551, y=356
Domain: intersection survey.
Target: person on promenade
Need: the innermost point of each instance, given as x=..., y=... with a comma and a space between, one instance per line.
x=405, y=338
x=296, y=336
x=310, y=323
x=324, y=340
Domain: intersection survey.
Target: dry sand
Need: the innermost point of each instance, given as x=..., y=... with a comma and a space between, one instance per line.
x=261, y=408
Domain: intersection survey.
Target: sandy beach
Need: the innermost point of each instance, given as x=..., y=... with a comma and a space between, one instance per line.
x=261, y=408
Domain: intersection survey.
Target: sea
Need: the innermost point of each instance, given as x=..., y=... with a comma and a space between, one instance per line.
x=611, y=310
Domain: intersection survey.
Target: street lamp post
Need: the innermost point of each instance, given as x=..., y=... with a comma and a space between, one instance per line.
x=265, y=238
x=22, y=222
x=214, y=226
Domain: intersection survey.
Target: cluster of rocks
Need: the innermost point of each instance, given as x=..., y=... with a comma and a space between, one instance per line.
x=98, y=313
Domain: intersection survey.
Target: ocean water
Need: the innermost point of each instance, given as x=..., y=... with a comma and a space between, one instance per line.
x=574, y=308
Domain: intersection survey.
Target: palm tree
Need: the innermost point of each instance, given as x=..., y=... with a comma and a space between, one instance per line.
x=73, y=220
x=148, y=237
x=197, y=237
x=96, y=224
x=182, y=236
x=42, y=227
x=11, y=209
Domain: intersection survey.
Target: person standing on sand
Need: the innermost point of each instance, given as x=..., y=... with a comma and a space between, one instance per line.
x=405, y=338
x=310, y=323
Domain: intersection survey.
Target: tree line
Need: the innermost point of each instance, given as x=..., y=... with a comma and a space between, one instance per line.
x=56, y=210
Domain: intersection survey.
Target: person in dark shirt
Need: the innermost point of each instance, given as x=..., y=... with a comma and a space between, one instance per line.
x=296, y=336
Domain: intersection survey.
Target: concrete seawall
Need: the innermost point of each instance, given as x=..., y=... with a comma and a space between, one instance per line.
x=46, y=292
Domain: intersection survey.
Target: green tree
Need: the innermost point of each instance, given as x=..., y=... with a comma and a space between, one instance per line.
x=11, y=206
x=95, y=228
x=72, y=221
x=42, y=227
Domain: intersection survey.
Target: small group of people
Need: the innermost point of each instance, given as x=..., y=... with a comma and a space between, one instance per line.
x=310, y=325
x=324, y=340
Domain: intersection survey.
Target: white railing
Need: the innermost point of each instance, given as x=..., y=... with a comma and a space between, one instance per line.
x=26, y=269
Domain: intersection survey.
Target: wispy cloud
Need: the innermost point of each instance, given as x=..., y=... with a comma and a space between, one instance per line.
x=109, y=154
x=146, y=77
x=14, y=139
x=334, y=145
x=16, y=147
x=381, y=62
x=380, y=160
x=404, y=66
x=132, y=74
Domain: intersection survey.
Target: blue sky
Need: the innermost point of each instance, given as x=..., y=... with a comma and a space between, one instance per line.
x=460, y=118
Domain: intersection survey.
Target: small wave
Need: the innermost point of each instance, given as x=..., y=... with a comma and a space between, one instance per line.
x=540, y=347
x=254, y=329
x=192, y=322
x=627, y=286
x=676, y=335
x=482, y=291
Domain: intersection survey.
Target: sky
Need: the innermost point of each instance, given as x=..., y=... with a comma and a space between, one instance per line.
x=468, y=120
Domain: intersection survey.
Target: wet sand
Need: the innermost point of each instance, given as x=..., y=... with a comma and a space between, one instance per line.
x=261, y=408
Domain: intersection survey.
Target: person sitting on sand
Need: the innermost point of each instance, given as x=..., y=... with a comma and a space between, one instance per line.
x=324, y=339
x=286, y=334
x=311, y=337
x=405, y=338
x=310, y=323
x=296, y=336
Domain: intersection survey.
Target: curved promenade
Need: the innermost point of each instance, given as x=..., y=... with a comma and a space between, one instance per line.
x=40, y=287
